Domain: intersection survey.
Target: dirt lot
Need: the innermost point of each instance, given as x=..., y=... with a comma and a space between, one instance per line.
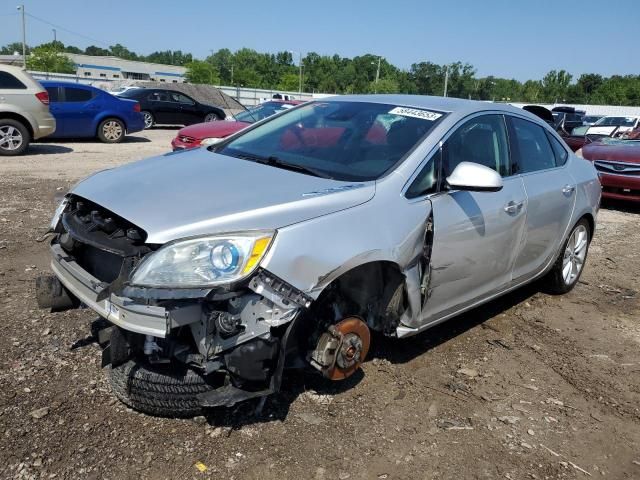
x=527, y=387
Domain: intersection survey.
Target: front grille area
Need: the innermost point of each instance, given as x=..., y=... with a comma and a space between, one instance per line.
x=617, y=168
x=99, y=240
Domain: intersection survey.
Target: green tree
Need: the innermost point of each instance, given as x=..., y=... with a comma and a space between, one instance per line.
x=555, y=86
x=14, y=47
x=48, y=58
x=202, y=72
x=96, y=51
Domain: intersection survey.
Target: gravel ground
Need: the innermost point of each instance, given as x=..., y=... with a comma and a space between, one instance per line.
x=526, y=387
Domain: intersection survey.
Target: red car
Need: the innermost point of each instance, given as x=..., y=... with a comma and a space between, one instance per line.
x=210, y=133
x=618, y=165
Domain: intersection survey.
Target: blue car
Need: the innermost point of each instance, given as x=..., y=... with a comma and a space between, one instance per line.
x=85, y=111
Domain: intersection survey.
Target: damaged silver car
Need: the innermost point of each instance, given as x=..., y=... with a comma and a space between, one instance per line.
x=286, y=244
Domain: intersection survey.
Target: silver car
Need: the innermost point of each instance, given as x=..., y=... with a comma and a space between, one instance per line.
x=288, y=243
x=24, y=111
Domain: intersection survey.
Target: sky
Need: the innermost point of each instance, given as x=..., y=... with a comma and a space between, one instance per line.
x=522, y=39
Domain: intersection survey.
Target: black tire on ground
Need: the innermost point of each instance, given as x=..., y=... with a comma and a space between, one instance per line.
x=111, y=130
x=12, y=132
x=162, y=391
x=553, y=282
x=149, y=119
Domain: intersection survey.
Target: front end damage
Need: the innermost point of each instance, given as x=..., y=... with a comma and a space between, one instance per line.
x=236, y=333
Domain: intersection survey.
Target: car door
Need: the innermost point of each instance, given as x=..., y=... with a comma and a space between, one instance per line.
x=75, y=111
x=551, y=194
x=163, y=109
x=189, y=110
x=476, y=235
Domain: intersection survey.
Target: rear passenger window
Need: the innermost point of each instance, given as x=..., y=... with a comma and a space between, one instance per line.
x=9, y=82
x=534, y=150
x=558, y=150
x=53, y=94
x=481, y=140
x=77, y=94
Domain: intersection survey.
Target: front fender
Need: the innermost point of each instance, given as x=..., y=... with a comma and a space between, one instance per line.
x=311, y=254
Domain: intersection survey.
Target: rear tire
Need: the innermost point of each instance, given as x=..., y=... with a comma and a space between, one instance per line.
x=212, y=117
x=149, y=120
x=14, y=137
x=566, y=271
x=164, y=391
x=111, y=130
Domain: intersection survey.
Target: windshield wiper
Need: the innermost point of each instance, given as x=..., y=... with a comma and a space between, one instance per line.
x=274, y=161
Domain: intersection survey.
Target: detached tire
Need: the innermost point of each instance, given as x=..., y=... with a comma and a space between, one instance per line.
x=160, y=391
x=14, y=137
x=566, y=271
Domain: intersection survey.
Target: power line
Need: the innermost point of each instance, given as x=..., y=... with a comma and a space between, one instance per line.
x=67, y=30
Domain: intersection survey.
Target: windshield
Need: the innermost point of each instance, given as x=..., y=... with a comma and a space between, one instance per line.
x=262, y=111
x=617, y=121
x=350, y=141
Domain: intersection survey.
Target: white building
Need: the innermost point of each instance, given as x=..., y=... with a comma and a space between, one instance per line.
x=114, y=68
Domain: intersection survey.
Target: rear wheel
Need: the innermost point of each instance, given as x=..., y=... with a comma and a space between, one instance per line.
x=163, y=390
x=111, y=130
x=14, y=137
x=212, y=117
x=149, y=121
x=568, y=267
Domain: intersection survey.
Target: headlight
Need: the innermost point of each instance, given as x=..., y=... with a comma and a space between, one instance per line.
x=203, y=261
x=58, y=213
x=211, y=141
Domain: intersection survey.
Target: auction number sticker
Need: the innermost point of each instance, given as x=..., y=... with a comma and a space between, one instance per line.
x=416, y=113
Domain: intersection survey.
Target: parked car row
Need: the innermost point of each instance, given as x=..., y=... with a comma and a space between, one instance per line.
x=30, y=110
x=212, y=133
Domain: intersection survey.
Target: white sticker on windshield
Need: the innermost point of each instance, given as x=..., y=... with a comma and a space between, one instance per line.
x=416, y=113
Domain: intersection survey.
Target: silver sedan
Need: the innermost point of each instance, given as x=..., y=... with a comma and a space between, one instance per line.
x=287, y=243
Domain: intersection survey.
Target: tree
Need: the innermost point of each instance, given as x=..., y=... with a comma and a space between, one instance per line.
x=555, y=86
x=202, y=72
x=12, y=48
x=96, y=51
x=48, y=58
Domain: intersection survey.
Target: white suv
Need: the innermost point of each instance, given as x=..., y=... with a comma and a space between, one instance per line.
x=24, y=111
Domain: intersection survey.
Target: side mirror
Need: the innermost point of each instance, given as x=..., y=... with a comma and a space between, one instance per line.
x=475, y=178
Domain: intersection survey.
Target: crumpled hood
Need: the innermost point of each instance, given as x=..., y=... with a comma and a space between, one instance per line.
x=198, y=192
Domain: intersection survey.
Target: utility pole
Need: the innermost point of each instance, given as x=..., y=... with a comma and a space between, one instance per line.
x=24, y=39
x=232, y=74
x=446, y=80
x=375, y=89
x=55, y=36
x=300, y=65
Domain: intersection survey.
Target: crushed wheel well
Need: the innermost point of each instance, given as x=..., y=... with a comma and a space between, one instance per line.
x=365, y=291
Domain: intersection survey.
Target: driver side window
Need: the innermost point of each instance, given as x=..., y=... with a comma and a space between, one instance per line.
x=481, y=140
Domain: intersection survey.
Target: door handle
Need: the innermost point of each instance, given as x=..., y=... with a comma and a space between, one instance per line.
x=568, y=189
x=513, y=208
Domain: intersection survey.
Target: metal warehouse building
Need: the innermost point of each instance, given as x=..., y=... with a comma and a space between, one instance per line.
x=114, y=68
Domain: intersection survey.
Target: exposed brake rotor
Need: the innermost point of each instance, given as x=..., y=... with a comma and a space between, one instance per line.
x=342, y=348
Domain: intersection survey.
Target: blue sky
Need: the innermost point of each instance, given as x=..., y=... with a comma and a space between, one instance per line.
x=508, y=38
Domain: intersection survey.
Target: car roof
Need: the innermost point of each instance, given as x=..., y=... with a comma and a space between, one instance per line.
x=57, y=83
x=442, y=104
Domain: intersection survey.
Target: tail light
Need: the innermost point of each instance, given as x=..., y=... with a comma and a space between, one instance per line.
x=136, y=107
x=43, y=97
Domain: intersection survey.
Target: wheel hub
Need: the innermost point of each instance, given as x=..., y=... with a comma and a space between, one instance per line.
x=342, y=348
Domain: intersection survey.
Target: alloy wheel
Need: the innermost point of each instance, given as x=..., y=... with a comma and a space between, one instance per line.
x=148, y=120
x=574, y=254
x=10, y=138
x=112, y=130
x=210, y=117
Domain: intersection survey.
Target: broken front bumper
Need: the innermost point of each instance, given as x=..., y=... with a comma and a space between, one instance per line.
x=121, y=311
